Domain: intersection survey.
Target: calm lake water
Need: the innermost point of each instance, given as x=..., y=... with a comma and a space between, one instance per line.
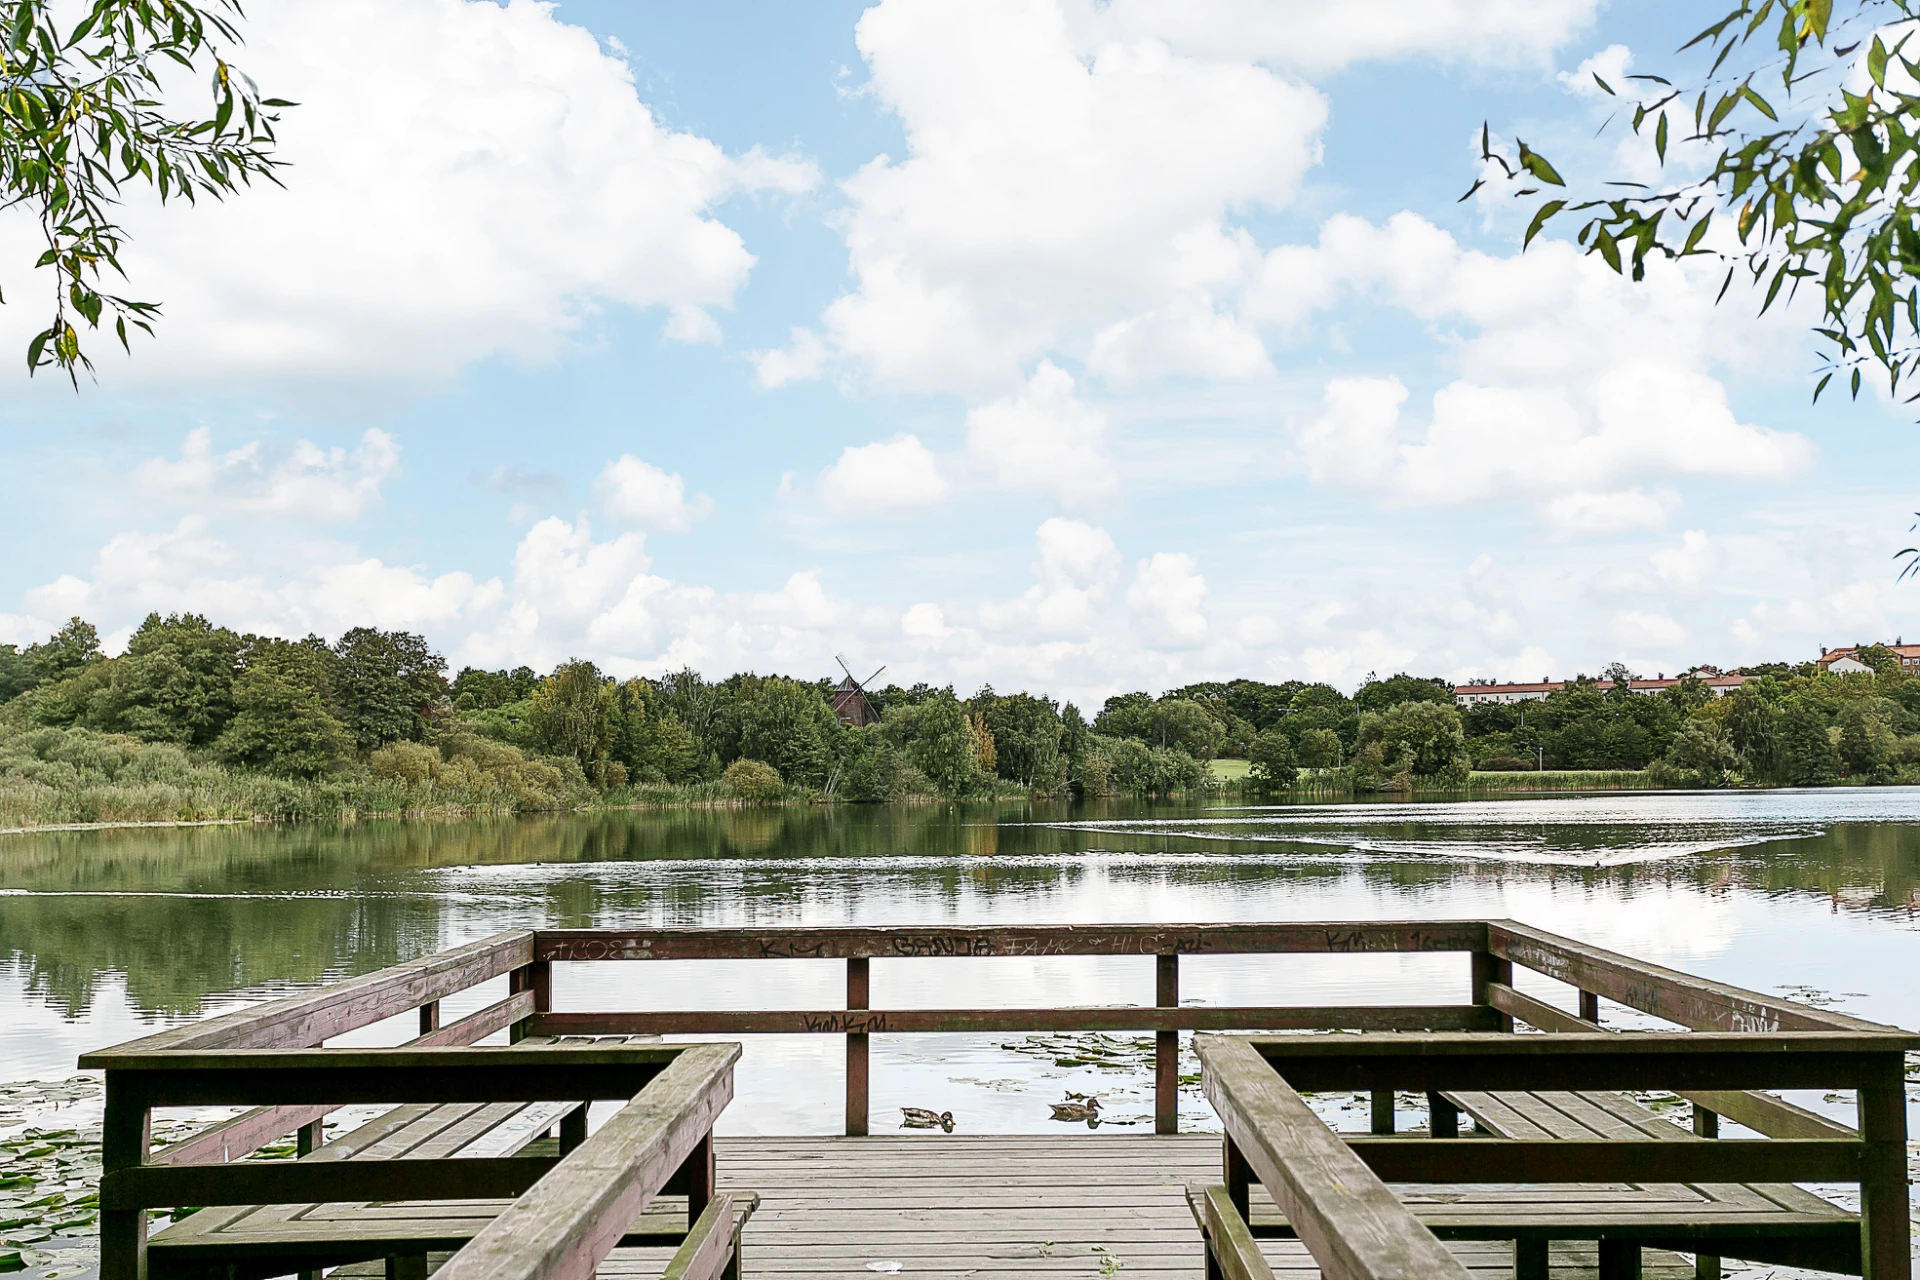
x=106, y=935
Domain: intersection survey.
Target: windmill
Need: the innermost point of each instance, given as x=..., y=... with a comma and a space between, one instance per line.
x=850, y=701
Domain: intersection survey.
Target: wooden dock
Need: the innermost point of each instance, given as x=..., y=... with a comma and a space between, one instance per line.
x=483, y=1168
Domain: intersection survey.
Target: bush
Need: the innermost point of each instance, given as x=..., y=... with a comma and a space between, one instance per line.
x=752, y=780
x=1271, y=761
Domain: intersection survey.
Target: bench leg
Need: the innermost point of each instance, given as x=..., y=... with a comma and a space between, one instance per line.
x=1529, y=1260
x=407, y=1266
x=1443, y=1118
x=1619, y=1260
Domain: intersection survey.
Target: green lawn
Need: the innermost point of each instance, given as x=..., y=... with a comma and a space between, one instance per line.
x=1228, y=770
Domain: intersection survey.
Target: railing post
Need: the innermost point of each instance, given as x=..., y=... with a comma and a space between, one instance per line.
x=1238, y=1177
x=126, y=1136
x=1382, y=1109
x=1590, y=1007
x=1166, y=1048
x=856, y=1050
x=1489, y=968
x=699, y=1172
x=1706, y=1124
x=536, y=977
x=1885, y=1236
x=1443, y=1118
x=308, y=1137
x=429, y=1016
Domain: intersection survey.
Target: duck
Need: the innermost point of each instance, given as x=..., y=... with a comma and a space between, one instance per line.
x=924, y=1118
x=1077, y=1107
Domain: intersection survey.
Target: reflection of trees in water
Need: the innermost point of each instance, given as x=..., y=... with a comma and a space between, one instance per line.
x=363, y=900
x=174, y=952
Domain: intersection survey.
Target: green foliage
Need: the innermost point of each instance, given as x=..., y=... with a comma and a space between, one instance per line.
x=1378, y=695
x=786, y=723
x=1026, y=732
x=477, y=690
x=937, y=737
x=1817, y=180
x=384, y=682
x=753, y=780
x=1163, y=722
x=90, y=106
x=280, y=725
x=646, y=738
x=65, y=653
x=1271, y=758
x=175, y=682
x=1128, y=766
x=1422, y=740
x=1318, y=749
x=1807, y=751
x=1702, y=754
x=569, y=713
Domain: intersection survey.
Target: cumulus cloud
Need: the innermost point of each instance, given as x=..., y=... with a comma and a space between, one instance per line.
x=1641, y=632
x=1166, y=597
x=639, y=493
x=803, y=359
x=891, y=477
x=1576, y=389
x=504, y=181
x=1018, y=217
x=1076, y=567
x=304, y=481
x=1043, y=439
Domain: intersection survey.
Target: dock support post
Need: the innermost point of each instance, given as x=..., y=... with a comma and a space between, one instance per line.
x=429, y=1017
x=1489, y=968
x=1530, y=1260
x=126, y=1137
x=1619, y=1260
x=1166, y=1048
x=536, y=977
x=1237, y=1174
x=1443, y=1118
x=1590, y=1007
x=1382, y=1109
x=699, y=1173
x=308, y=1137
x=1885, y=1243
x=1706, y=1124
x=857, y=1050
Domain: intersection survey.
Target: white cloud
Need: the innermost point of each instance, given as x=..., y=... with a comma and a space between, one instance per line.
x=304, y=481
x=1076, y=569
x=1043, y=439
x=1573, y=515
x=1022, y=216
x=803, y=359
x=1167, y=599
x=1691, y=565
x=1319, y=38
x=691, y=324
x=640, y=493
x=1577, y=388
x=465, y=180
x=1611, y=64
x=1644, y=633
x=892, y=477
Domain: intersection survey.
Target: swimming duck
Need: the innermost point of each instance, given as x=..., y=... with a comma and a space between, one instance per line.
x=922, y=1118
x=1076, y=1107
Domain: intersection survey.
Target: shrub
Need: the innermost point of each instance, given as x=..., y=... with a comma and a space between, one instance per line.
x=752, y=780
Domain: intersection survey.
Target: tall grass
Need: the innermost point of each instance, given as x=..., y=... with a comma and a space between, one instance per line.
x=1564, y=780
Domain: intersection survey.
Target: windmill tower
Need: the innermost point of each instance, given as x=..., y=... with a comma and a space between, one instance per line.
x=850, y=701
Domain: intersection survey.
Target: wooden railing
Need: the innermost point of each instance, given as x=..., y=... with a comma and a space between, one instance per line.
x=1333, y=1190
x=1492, y=951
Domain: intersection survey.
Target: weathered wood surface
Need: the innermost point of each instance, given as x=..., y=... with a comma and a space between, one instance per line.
x=313, y=1016
x=1757, y=1111
x=234, y=1138
x=856, y=1021
x=1597, y=1061
x=836, y=943
x=1665, y=993
x=1352, y=1224
x=1548, y=1160
x=568, y=1222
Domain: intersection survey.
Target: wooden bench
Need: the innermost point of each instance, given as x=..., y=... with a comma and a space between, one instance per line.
x=1574, y=1164
x=463, y=1165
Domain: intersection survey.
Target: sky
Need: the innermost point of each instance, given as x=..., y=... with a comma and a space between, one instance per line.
x=1061, y=345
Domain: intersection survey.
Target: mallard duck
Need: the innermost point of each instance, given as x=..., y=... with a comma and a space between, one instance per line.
x=921, y=1118
x=1076, y=1107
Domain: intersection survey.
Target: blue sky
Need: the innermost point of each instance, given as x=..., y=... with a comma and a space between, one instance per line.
x=1060, y=345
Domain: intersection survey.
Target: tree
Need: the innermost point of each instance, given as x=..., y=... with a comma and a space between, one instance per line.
x=937, y=737
x=753, y=780
x=173, y=684
x=384, y=682
x=1753, y=724
x=568, y=715
x=65, y=652
x=280, y=725
x=1807, y=752
x=1424, y=738
x=1318, y=749
x=1817, y=179
x=1026, y=734
x=1271, y=758
x=1703, y=751
x=1378, y=695
x=786, y=723
x=89, y=107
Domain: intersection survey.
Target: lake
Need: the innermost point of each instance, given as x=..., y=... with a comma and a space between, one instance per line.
x=105, y=935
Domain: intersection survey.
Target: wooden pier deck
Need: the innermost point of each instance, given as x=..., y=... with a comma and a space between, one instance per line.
x=1563, y=1179
x=945, y=1207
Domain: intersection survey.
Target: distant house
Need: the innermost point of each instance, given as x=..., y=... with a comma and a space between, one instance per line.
x=1832, y=659
x=1468, y=695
